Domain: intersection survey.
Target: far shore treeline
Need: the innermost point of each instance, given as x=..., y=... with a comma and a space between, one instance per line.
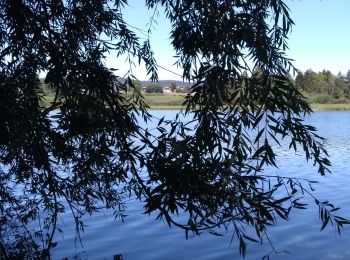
x=324, y=90
x=324, y=87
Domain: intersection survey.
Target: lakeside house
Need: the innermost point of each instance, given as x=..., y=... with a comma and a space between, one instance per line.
x=167, y=89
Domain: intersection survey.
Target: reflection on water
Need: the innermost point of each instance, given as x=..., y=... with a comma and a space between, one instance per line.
x=141, y=237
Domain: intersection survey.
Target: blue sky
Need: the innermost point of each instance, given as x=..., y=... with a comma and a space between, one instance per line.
x=319, y=40
x=321, y=36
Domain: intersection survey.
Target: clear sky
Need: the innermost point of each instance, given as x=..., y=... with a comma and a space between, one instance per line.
x=319, y=40
x=321, y=36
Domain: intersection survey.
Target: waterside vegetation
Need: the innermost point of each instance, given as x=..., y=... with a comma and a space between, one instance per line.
x=323, y=91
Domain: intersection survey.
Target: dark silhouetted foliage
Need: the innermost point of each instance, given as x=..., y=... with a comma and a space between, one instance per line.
x=87, y=150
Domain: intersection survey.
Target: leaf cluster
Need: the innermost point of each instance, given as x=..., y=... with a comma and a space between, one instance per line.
x=88, y=150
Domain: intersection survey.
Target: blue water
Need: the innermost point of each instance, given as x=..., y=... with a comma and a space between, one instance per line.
x=142, y=237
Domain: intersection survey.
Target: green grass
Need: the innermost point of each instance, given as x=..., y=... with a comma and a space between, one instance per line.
x=324, y=102
x=330, y=107
x=326, y=99
x=174, y=101
x=317, y=102
x=164, y=100
x=47, y=100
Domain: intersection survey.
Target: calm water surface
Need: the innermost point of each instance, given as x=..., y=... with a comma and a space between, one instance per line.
x=141, y=237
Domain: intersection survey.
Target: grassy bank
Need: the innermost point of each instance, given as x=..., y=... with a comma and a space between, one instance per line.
x=164, y=100
x=330, y=107
x=324, y=102
x=173, y=101
x=317, y=102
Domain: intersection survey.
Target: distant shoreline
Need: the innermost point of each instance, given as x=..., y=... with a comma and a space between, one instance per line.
x=314, y=107
x=330, y=107
x=174, y=101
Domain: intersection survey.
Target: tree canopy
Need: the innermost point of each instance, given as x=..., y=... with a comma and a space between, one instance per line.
x=154, y=88
x=86, y=150
x=323, y=82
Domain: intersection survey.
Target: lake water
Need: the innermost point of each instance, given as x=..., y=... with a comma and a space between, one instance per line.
x=142, y=237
